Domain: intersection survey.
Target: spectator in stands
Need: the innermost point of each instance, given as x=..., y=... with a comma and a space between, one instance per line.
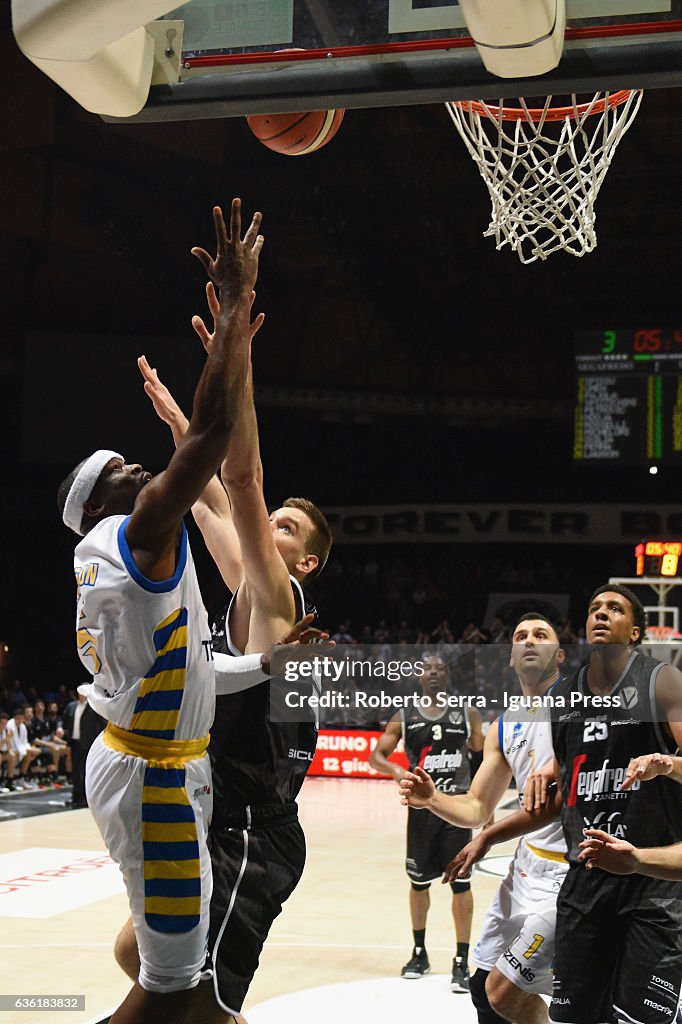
x=82, y=726
x=7, y=755
x=442, y=634
x=405, y=632
x=567, y=634
x=419, y=595
x=19, y=744
x=473, y=635
x=342, y=635
x=40, y=735
x=58, y=736
x=17, y=697
x=499, y=633
x=64, y=697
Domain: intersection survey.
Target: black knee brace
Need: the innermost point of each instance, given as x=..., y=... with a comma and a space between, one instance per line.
x=420, y=886
x=486, y=1014
x=460, y=887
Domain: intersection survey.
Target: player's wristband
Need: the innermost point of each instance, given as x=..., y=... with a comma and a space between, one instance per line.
x=232, y=675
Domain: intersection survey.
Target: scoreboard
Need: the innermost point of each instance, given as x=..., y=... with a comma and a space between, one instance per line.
x=658, y=558
x=628, y=401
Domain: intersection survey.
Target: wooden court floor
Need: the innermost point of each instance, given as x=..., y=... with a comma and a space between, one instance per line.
x=61, y=905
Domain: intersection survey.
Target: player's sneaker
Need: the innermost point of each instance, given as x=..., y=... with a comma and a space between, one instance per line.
x=460, y=975
x=418, y=966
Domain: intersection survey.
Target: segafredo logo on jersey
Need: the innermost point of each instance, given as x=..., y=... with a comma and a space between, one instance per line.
x=600, y=784
x=442, y=762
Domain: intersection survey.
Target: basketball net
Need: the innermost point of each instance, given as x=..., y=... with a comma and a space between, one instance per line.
x=544, y=167
x=661, y=634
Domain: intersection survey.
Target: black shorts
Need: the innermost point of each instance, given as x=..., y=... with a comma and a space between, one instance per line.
x=431, y=845
x=618, y=949
x=254, y=871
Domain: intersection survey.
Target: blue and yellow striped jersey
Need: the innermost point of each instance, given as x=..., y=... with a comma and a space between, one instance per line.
x=147, y=644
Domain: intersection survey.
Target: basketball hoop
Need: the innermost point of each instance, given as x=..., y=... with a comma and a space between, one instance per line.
x=544, y=166
x=661, y=634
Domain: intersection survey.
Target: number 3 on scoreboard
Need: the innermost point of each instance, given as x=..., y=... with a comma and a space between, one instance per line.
x=609, y=342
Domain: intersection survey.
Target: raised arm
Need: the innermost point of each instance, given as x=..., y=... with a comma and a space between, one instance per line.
x=467, y=810
x=152, y=529
x=265, y=572
x=211, y=510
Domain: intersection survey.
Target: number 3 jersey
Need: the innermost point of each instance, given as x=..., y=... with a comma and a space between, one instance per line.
x=593, y=748
x=146, y=643
x=439, y=746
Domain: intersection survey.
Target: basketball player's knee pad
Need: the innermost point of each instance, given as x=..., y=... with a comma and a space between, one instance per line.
x=420, y=886
x=458, y=887
x=486, y=1014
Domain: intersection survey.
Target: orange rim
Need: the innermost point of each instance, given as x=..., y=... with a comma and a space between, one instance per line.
x=615, y=99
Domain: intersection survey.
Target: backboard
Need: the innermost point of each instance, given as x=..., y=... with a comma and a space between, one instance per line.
x=391, y=52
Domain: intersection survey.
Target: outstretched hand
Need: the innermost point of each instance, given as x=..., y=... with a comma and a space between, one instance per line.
x=600, y=850
x=303, y=633
x=537, y=787
x=234, y=268
x=165, y=406
x=300, y=634
x=416, y=788
x=461, y=865
x=646, y=767
x=206, y=337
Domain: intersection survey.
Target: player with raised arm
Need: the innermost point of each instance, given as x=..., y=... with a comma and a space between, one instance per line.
x=143, y=633
x=259, y=756
x=514, y=953
x=442, y=737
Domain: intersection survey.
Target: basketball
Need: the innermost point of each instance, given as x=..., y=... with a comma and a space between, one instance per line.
x=296, y=134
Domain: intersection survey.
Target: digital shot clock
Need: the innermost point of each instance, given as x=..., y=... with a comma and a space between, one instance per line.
x=658, y=558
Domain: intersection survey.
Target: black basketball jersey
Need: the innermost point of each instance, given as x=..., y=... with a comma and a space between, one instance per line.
x=255, y=760
x=439, y=746
x=593, y=750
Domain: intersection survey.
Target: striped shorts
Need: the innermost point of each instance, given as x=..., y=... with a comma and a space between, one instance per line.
x=154, y=818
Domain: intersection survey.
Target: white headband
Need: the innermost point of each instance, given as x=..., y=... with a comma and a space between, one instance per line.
x=83, y=486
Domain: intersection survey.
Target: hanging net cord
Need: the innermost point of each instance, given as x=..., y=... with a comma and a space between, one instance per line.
x=544, y=167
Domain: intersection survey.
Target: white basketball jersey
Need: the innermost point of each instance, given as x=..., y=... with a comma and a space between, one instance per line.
x=146, y=643
x=527, y=746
